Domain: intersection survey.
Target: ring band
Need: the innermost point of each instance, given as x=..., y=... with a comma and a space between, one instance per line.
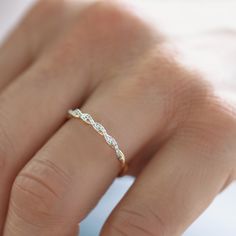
x=87, y=118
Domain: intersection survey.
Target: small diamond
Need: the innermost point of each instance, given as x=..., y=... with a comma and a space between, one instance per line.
x=86, y=118
x=75, y=113
x=72, y=113
x=78, y=112
x=99, y=128
x=110, y=140
x=92, y=122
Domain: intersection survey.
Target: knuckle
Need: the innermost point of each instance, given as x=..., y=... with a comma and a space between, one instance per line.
x=38, y=191
x=136, y=222
x=104, y=34
x=128, y=29
x=211, y=125
x=106, y=14
x=47, y=8
x=49, y=27
x=173, y=89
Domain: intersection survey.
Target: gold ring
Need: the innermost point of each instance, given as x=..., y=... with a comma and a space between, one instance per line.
x=87, y=118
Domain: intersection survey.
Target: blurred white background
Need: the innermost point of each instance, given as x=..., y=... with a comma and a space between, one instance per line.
x=179, y=18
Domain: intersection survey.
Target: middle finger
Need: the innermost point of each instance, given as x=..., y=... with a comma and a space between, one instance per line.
x=53, y=82
x=60, y=78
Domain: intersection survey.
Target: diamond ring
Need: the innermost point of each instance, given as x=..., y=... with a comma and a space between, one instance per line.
x=87, y=118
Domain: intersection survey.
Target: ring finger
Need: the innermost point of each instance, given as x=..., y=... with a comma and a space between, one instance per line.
x=67, y=177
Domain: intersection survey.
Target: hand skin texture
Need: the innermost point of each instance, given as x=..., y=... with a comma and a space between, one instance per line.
x=177, y=132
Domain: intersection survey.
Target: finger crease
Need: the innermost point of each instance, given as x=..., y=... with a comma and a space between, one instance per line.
x=58, y=170
x=141, y=229
x=40, y=182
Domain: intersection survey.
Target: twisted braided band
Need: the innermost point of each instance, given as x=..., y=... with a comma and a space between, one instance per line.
x=87, y=118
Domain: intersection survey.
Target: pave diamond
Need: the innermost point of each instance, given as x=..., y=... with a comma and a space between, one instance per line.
x=110, y=140
x=72, y=113
x=99, y=128
x=77, y=112
x=86, y=118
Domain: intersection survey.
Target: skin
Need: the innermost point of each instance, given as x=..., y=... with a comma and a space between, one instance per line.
x=177, y=131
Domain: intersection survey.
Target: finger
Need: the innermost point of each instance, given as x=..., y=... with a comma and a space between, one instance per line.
x=71, y=172
x=175, y=187
x=73, y=189
x=74, y=231
x=34, y=106
x=54, y=84
x=58, y=187
x=15, y=56
x=55, y=78
x=24, y=44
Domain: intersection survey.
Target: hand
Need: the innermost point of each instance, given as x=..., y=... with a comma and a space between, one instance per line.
x=177, y=132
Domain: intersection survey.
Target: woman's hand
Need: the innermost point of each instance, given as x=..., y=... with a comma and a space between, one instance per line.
x=176, y=131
